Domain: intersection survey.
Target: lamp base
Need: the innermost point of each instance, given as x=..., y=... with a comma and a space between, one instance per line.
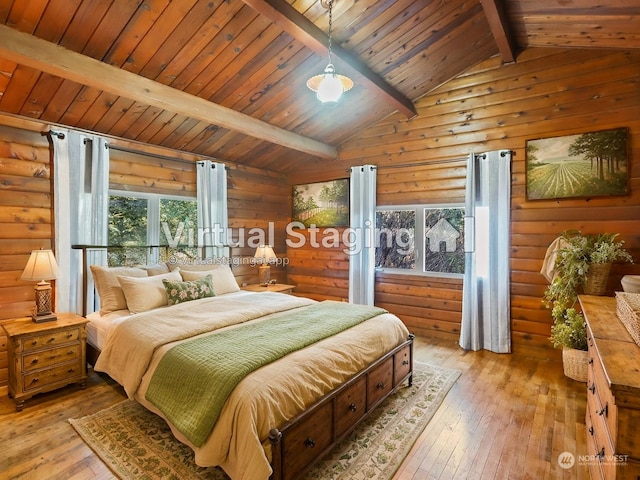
x=264, y=275
x=47, y=317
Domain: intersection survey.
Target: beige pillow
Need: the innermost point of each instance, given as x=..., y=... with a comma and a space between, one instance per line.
x=144, y=294
x=108, y=287
x=157, y=269
x=221, y=275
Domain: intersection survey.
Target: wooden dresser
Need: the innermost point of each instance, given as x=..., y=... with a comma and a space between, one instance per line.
x=45, y=356
x=613, y=394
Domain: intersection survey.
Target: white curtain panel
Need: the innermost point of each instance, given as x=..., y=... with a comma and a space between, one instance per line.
x=362, y=234
x=212, y=209
x=486, y=316
x=81, y=211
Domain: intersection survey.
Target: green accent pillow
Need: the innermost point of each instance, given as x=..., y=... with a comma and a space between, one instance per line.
x=178, y=292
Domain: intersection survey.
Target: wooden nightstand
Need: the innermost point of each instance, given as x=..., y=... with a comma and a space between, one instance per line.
x=45, y=356
x=274, y=287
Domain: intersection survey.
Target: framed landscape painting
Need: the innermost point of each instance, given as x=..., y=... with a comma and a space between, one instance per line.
x=323, y=204
x=591, y=164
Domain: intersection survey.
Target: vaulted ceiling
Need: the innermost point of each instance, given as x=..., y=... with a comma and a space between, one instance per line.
x=227, y=79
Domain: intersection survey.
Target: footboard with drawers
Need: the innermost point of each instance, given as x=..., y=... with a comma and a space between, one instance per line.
x=306, y=438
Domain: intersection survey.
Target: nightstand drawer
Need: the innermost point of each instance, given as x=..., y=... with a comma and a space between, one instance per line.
x=57, y=337
x=54, y=356
x=66, y=373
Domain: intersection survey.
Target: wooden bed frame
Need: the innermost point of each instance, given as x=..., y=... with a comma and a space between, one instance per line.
x=308, y=437
x=303, y=440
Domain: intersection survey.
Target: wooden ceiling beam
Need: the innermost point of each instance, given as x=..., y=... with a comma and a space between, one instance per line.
x=48, y=57
x=500, y=30
x=305, y=31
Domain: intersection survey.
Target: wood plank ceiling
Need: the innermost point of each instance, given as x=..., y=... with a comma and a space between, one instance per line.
x=226, y=79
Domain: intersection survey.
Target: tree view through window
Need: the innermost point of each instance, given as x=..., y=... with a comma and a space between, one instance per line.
x=420, y=239
x=139, y=221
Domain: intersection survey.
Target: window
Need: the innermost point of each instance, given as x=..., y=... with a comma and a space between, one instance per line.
x=138, y=220
x=420, y=239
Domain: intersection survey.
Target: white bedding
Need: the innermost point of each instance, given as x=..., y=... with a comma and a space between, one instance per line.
x=100, y=325
x=265, y=399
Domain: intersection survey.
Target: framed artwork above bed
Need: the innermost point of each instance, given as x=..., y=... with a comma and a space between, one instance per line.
x=323, y=204
x=593, y=164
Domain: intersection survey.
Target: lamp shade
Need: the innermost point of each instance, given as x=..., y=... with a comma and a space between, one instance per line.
x=329, y=86
x=265, y=254
x=42, y=265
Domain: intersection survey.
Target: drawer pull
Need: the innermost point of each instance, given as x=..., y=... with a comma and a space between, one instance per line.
x=52, y=339
x=592, y=388
x=353, y=407
x=71, y=370
x=604, y=411
x=380, y=386
x=34, y=361
x=590, y=360
x=309, y=443
x=34, y=343
x=35, y=380
x=70, y=352
x=591, y=430
x=405, y=362
x=69, y=335
x=600, y=454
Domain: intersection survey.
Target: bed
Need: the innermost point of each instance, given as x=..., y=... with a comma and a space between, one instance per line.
x=326, y=365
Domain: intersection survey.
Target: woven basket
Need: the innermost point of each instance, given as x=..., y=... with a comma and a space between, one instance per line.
x=575, y=364
x=596, y=280
x=628, y=310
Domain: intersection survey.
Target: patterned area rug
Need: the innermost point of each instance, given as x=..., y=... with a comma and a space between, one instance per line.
x=136, y=444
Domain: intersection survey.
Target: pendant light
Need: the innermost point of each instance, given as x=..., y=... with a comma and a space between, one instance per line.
x=329, y=86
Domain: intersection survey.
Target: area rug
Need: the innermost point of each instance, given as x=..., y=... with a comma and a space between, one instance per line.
x=137, y=445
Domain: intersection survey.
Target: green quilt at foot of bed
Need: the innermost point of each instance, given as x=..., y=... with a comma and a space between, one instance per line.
x=194, y=379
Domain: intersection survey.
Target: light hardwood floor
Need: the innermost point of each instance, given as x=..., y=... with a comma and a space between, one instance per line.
x=507, y=417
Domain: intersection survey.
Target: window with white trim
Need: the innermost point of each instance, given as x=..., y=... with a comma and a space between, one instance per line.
x=420, y=239
x=137, y=220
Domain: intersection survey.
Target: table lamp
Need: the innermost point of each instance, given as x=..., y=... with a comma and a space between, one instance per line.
x=42, y=266
x=264, y=256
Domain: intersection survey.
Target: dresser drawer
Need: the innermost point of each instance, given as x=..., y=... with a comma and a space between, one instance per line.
x=380, y=382
x=351, y=405
x=66, y=373
x=307, y=439
x=56, y=337
x=46, y=358
x=401, y=364
x=595, y=470
x=599, y=390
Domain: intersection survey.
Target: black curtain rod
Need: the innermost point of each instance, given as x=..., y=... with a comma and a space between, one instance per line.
x=163, y=157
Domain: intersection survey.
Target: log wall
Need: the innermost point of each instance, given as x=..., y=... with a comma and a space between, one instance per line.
x=256, y=198
x=548, y=92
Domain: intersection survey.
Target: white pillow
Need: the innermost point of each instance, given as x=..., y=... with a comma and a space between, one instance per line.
x=144, y=294
x=108, y=287
x=221, y=275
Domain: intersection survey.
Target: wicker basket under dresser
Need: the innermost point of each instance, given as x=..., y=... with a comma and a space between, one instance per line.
x=613, y=394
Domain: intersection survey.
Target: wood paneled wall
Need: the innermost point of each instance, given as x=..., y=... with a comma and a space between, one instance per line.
x=256, y=198
x=548, y=92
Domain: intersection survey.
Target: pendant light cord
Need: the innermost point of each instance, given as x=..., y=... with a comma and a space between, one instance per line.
x=330, y=3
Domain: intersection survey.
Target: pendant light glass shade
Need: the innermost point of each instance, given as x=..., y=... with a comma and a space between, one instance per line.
x=329, y=86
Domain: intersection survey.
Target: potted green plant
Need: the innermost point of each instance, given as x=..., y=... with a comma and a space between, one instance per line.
x=582, y=264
